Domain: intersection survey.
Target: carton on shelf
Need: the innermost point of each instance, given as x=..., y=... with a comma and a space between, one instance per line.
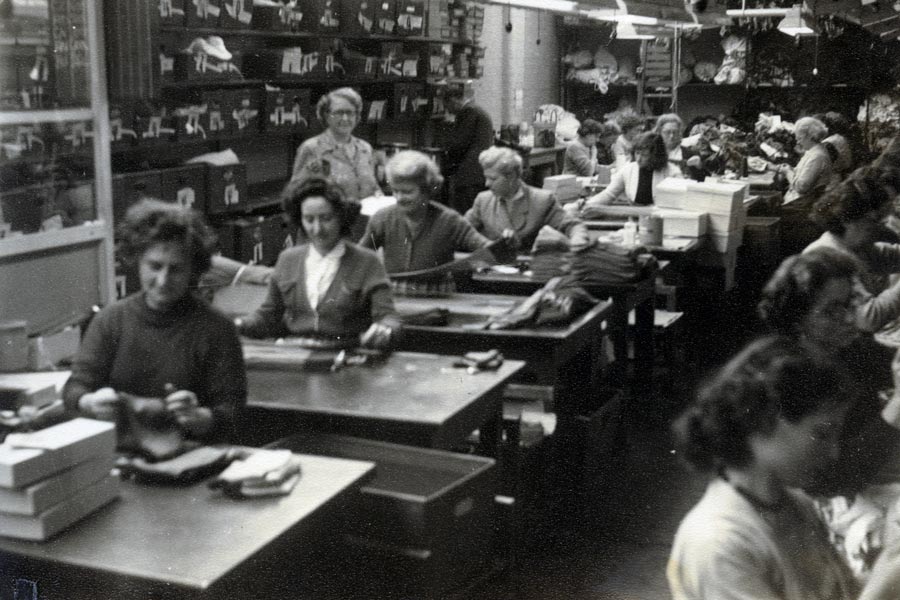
x=715, y=198
x=722, y=224
x=683, y=223
x=726, y=242
x=29, y=457
x=670, y=193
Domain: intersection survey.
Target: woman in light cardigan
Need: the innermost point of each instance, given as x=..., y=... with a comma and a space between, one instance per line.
x=636, y=181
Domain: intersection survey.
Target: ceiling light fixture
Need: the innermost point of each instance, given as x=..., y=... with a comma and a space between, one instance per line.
x=630, y=31
x=561, y=6
x=797, y=22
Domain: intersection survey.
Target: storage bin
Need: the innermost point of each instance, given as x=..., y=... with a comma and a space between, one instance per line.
x=186, y=186
x=683, y=223
x=226, y=189
x=427, y=515
x=385, y=16
x=411, y=17
x=286, y=109
x=277, y=18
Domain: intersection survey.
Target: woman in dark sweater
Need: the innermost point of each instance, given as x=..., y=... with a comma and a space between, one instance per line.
x=171, y=357
x=330, y=293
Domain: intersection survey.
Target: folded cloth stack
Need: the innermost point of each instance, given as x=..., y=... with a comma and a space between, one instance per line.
x=187, y=468
x=559, y=301
x=549, y=254
x=604, y=262
x=480, y=361
x=260, y=473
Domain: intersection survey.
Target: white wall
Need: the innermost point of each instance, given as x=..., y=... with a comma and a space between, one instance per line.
x=514, y=61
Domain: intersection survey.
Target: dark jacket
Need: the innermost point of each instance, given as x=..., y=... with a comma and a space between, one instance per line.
x=472, y=133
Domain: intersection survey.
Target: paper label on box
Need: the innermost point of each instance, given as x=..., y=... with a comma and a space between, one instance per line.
x=231, y=196
x=185, y=197
x=410, y=68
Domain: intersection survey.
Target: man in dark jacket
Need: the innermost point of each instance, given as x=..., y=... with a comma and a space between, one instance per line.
x=471, y=133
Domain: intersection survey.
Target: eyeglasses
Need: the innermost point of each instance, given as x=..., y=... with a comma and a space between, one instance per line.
x=343, y=114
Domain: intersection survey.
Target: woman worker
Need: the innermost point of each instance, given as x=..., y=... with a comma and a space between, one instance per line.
x=631, y=126
x=169, y=355
x=513, y=211
x=329, y=292
x=417, y=233
x=590, y=149
x=335, y=153
x=636, y=181
x=766, y=427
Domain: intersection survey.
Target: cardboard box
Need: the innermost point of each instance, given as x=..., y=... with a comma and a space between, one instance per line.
x=321, y=16
x=286, y=109
x=257, y=240
x=171, y=12
x=411, y=17
x=713, y=197
x=670, y=193
x=385, y=17
x=185, y=185
x=50, y=522
x=724, y=223
x=53, y=449
x=216, y=120
x=683, y=223
x=236, y=14
x=40, y=496
x=727, y=242
x=202, y=13
x=246, y=108
x=226, y=189
x=358, y=17
x=277, y=18
x=130, y=188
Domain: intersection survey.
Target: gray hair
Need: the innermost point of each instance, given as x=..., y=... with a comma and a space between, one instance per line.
x=344, y=93
x=505, y=160
x=666, y=119
x=811, y=127
x=414, y=167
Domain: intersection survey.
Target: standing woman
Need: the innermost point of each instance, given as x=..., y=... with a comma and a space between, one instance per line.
x=329, y=293
x=766, y=427
x=417, y=233
x=335, y=153
x=635, y=182
x=166, y=353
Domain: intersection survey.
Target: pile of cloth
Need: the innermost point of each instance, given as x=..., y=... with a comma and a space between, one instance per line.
x=605, y=262
x=260, y=473
x=549, y=254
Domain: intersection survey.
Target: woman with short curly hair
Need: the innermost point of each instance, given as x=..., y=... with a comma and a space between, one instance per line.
x=166, y=354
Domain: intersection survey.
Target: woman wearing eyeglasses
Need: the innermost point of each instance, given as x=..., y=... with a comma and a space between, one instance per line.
x=335, y=153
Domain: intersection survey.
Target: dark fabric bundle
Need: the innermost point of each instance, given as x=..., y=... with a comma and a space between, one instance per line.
x=550, y=254
x=559, y=301
x=609, y=263
x=432, y=316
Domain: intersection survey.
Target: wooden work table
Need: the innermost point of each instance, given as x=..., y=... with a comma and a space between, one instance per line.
x=566, y=356
x=410, y=398
x=189, y=542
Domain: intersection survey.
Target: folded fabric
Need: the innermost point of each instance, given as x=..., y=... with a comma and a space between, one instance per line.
x=189, y=467
x=480, y=361
x=431, y=316
x=550, y=239
x=563, y=305
x=603, y=262
x=260, y=473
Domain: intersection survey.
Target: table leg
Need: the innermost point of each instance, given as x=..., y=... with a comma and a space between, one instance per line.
x=643, y=345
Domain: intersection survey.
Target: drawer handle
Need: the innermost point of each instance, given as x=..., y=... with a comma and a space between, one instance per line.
x=463, y=507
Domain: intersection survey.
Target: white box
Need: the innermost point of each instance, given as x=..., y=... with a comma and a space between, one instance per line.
x=40, y=496
x=722, y=224
x=682, y=223
x=714, y=197
x=670, y=193
x=28, y=457
x=727, y=242
x=604, y=174
x=53, y=520
x=555, y=182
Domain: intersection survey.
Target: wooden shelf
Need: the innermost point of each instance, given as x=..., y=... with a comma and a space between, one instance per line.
x=288, y=82
x=51, y=115
x=259, y=33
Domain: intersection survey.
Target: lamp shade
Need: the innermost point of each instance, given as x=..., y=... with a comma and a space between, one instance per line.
x=796, y=22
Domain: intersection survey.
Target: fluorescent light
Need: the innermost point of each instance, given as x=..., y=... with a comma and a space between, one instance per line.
x=628, y=31
x=566, y=6
x=797, y=22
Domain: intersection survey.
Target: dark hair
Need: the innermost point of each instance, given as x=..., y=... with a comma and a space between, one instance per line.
x=865, y=190
x=297, y=191
x=659, y=158
x=151, y=222
x=628, y=121
x=773, y=377
x=836, y=123
x=590, y=126
x=792, y=291
x=454, y=92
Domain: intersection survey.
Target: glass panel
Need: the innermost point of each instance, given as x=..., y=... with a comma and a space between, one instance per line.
x=46, y=176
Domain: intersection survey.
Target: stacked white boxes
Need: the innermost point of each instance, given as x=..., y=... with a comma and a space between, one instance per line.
x=51, y=478
x=564, y=187
x=669, y=198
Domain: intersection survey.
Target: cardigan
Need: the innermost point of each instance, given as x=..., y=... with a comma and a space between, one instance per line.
x=579, y=159
x=625, y=182
x=137, y=350
x=442, y=232
x=322, y=156
x=525, y=215
x=879, y=302
x=728, y=549
x=358, y=296
x=812, y=174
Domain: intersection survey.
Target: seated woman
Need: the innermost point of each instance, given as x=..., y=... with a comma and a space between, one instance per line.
x=169, y=355
x=631, y=126
x=590, y=149
x=811, y=299
x=765, y=427
x=417, y=233
x=513, y=211
x=634, y=183
x=851, y=214
x=328, y=292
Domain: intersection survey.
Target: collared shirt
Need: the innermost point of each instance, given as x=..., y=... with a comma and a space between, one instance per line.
x=320, y=272
x=516, y=212
x=351, y=166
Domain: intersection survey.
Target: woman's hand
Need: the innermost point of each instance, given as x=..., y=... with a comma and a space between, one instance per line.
x=184, y=407
x=377, y=336
x=509, y=236
x=102, y=404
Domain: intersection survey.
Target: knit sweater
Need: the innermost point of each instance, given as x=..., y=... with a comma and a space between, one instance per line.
x=134, y=349
x=358, y=296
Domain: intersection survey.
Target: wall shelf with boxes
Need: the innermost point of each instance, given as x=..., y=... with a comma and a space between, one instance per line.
x=55, y=209
x=195, y=76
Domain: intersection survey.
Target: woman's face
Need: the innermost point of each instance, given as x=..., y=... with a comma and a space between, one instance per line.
x=500, y=183
x=410, y=198
x=590, y=140
x=643, y=156
x=671, y=135
x=831, y=321
x=804, y=141
x=800, y=454
x=342, y=116
x=321, y=224
x=634, y=132
x=165, y=274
